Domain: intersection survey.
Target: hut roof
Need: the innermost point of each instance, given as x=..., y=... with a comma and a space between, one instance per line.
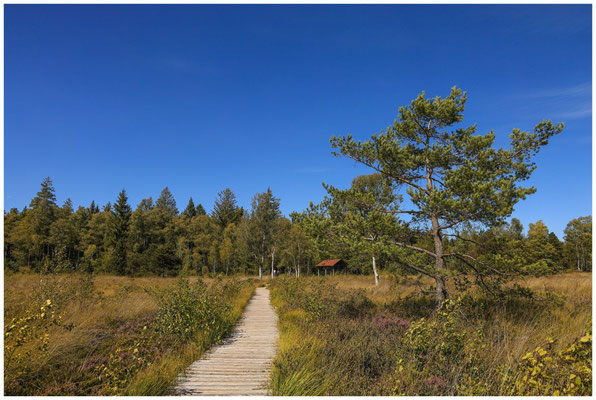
x=330, y=263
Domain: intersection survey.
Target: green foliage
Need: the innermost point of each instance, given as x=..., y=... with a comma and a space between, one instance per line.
x=441, y=355
x=120, y=222
x=260, y=231
x=545, y=372
x=225, y=209
x=184, y=311
x=578, y=243
x=166, y=203
x=451, y=175
x=190, y=210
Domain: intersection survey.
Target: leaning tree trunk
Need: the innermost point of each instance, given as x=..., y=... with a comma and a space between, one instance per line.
x=441, y=289
x=374, y=262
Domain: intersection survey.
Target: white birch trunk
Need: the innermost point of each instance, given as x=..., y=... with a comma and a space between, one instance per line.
x=375, y=271
x=272, y=261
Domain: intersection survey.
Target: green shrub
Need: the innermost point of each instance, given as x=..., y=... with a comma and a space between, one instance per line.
x=184, y=311
x=543, y=372
x=441, y=355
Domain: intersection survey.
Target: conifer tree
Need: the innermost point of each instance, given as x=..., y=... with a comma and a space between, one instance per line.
x=190, y=210
x=200, y=210
x=452, y=176
x=166, y=203
x=93, y=208
x=225, y=209
x=363, y=215
x=43, y=214
x=120, y=228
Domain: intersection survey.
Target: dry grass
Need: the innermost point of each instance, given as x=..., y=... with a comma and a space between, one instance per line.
x=101, y=317
x=561, y=308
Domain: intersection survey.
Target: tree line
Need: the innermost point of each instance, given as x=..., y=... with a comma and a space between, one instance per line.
x=155, y=238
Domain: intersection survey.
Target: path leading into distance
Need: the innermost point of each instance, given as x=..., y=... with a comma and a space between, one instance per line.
x=240, y=365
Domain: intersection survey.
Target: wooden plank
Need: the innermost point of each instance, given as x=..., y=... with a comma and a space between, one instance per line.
x=240, y=365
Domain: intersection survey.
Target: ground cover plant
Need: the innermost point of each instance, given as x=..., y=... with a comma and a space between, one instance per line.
x=344, y=335
x=84, y=335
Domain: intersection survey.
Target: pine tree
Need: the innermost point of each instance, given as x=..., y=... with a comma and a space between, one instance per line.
x=225, y=209
x=93, y=209
x=364, y=216
x=120, y=228
x=200, y=210
x=166, y=203
x=190, y=210
x=43, y=207
x=43, y=214
x=451, y=175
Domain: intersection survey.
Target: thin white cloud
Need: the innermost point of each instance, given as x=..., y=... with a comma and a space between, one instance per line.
x=571, y=102
x=581, y=90
x=585, y=112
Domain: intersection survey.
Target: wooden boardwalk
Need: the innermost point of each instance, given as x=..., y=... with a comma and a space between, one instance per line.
x=239, y=366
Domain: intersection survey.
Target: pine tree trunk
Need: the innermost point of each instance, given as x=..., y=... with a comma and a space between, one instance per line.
x=374, y=262
x=441, y=290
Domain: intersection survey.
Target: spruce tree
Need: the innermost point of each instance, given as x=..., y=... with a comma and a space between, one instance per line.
x=43, y=214
x=120, y=227
x=200, y=210
x=44, y=208
x=167, y=203
x=93, y=208
x=190, y=210
x=225, y=209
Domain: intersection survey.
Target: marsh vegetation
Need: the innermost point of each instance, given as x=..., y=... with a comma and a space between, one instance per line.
x=343, y=335
x=85, y=335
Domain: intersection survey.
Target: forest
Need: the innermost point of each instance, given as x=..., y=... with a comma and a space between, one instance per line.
x=157, y=239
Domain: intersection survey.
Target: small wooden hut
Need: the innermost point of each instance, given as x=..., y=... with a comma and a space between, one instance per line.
x=331, y=266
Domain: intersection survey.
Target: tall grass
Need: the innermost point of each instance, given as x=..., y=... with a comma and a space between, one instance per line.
x=342, y=335
x=104, y=337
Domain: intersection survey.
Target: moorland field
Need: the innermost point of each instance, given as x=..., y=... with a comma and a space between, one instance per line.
x=71, y=334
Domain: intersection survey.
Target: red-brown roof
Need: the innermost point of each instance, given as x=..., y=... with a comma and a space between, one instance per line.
x=329, y=263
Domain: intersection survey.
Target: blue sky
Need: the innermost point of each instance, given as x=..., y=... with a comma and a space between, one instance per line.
x=200, y=98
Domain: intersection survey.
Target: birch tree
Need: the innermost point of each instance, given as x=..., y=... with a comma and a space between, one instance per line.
x=578, y=238
x=261, y=228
